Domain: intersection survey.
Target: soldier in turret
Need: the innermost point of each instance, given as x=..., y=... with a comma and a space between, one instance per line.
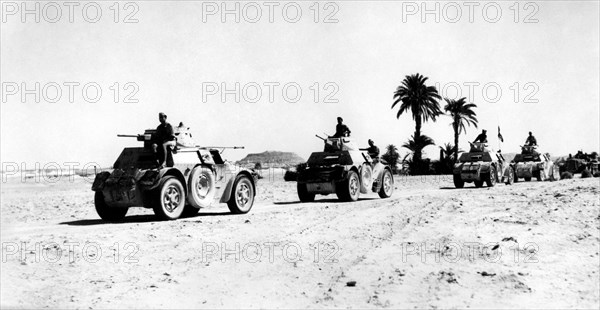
x=341, y=130
x=164, y=137
x=531, y=141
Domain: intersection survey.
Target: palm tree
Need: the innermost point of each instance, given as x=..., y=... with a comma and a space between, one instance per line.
x=416, y=144
x=421, y=100
x=448, y=150
x=391, y=156
x=462, y=113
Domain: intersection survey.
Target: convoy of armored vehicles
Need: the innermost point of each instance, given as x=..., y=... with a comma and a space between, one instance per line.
x=195, y=177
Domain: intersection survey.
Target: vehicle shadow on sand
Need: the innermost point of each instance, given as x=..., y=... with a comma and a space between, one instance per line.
x=464, y=188
x=142, y=218
x=331, y=200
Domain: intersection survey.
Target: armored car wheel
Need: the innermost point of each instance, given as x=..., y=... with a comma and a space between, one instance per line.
x=541, y=176
x=458, y=182
x=478, y=183
x=510, y=175
x=527, y=179
x=106, y=212
x=387, y=184
x=242, y=195
x=350, y=188
x=202, y=187
x=170, y=201
x=490, y=178
x=303, y=193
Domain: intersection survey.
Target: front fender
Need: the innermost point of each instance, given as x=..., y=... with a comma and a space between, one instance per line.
x=229, y=186
x=151, y=178
x=99, y=180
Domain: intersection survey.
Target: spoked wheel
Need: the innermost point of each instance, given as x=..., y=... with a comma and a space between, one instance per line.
x=510, y=178
x=202, y=187
x=387, y=184
x=171, y=199
x=350, y=188
x=242, y=195
x=490, y=181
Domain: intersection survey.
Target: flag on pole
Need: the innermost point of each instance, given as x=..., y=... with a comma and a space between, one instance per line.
x=500, y=135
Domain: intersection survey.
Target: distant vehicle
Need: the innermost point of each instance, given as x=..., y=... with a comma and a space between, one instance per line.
x=194, y=177
x=580, y=162
x=344, y=170
x=531, y=163
x=481, y=165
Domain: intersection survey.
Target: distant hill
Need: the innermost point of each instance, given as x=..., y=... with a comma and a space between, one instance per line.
x=271, y=158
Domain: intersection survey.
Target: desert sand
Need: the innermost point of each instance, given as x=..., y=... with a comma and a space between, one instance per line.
x=529, y=245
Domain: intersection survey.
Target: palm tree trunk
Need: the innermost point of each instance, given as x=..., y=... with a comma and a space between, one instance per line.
x=417, y=156
x=455, y=142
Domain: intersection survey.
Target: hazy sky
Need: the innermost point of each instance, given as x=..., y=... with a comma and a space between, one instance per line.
x=547, y=71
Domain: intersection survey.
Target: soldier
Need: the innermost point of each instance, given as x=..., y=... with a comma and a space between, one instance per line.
x=341, y=130
x=164, y=137
x=373, y=150
x=482, y=137
x=531, y=141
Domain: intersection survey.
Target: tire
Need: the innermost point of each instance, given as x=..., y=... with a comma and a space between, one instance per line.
x=387, y=184
x=527, y=179
x=169, y=199
x=202, y=187
x=510, y=178
x=478, y=184
x=366, y=176
x=490, y=179
x=242, y=195
x=303, y=193
x=189, y=211
x=350, y=188
x=541, y=176
x=458, y=182
x=105, y=211
x=515, y=178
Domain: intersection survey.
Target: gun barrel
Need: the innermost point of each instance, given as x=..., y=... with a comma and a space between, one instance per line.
x=320, y=137
x=220, y=147
x=127, y=136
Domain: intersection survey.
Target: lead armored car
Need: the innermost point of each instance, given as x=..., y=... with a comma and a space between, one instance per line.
x=344, y=170
x=194, y=178
x=481, y=165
